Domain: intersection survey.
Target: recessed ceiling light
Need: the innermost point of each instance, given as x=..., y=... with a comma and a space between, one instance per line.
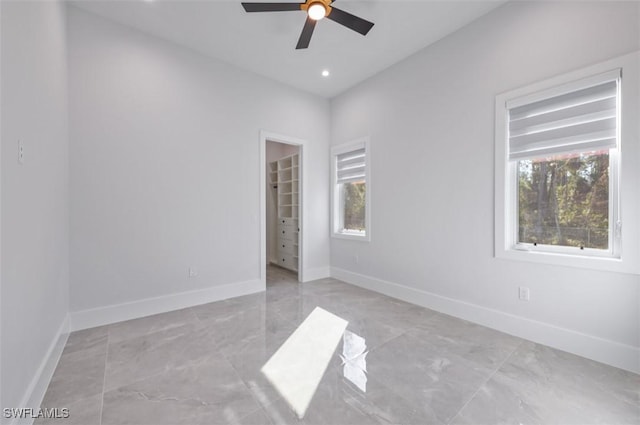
x=325, y=73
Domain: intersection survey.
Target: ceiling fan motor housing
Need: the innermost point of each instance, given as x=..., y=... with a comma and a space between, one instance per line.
x=326, y=4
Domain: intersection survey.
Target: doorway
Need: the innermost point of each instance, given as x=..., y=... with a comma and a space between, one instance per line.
x=281, y=209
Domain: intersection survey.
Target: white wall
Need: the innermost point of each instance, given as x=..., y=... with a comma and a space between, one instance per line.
x=35, y=277
x=273, y=152
x=165, y=166
x=431, y=121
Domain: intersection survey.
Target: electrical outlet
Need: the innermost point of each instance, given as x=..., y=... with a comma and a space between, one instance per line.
x=193, y=272
x=20, y=152
x=523, y=293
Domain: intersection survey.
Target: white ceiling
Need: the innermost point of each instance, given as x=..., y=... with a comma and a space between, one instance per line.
x=264, y=43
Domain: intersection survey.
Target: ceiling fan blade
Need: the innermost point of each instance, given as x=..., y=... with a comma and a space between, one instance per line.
x=307, y=32
x=350, y=21
x=270, y=7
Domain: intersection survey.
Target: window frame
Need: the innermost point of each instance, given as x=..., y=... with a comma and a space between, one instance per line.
x=622, y=247
x=337, y=203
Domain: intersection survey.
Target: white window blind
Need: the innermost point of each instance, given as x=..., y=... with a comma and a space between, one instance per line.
x=351, y=166
x=578, y=117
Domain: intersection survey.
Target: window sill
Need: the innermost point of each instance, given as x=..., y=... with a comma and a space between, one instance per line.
x=352, y=236
x=568, y=260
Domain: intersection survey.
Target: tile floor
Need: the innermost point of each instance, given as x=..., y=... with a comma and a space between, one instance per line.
x=202, y=366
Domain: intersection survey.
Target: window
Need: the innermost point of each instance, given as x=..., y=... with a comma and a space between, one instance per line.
x=559, y=153
x=564, y=200
x=350, y=172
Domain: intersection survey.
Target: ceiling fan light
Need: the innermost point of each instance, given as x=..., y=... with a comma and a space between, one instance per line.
x=317, y=11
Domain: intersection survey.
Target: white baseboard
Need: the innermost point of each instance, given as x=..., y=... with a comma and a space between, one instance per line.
x=38, y=387
x=599, y=349
x=317, y=273
x=91, y=318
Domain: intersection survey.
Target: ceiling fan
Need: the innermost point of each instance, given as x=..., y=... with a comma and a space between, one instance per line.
x=316, y=10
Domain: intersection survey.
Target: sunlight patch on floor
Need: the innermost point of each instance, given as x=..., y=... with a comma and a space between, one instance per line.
x=296, y=369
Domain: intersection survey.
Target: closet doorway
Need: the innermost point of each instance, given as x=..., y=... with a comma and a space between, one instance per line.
x=281, y=206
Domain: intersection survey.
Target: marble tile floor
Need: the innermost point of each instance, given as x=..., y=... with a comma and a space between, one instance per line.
x=201, y=365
